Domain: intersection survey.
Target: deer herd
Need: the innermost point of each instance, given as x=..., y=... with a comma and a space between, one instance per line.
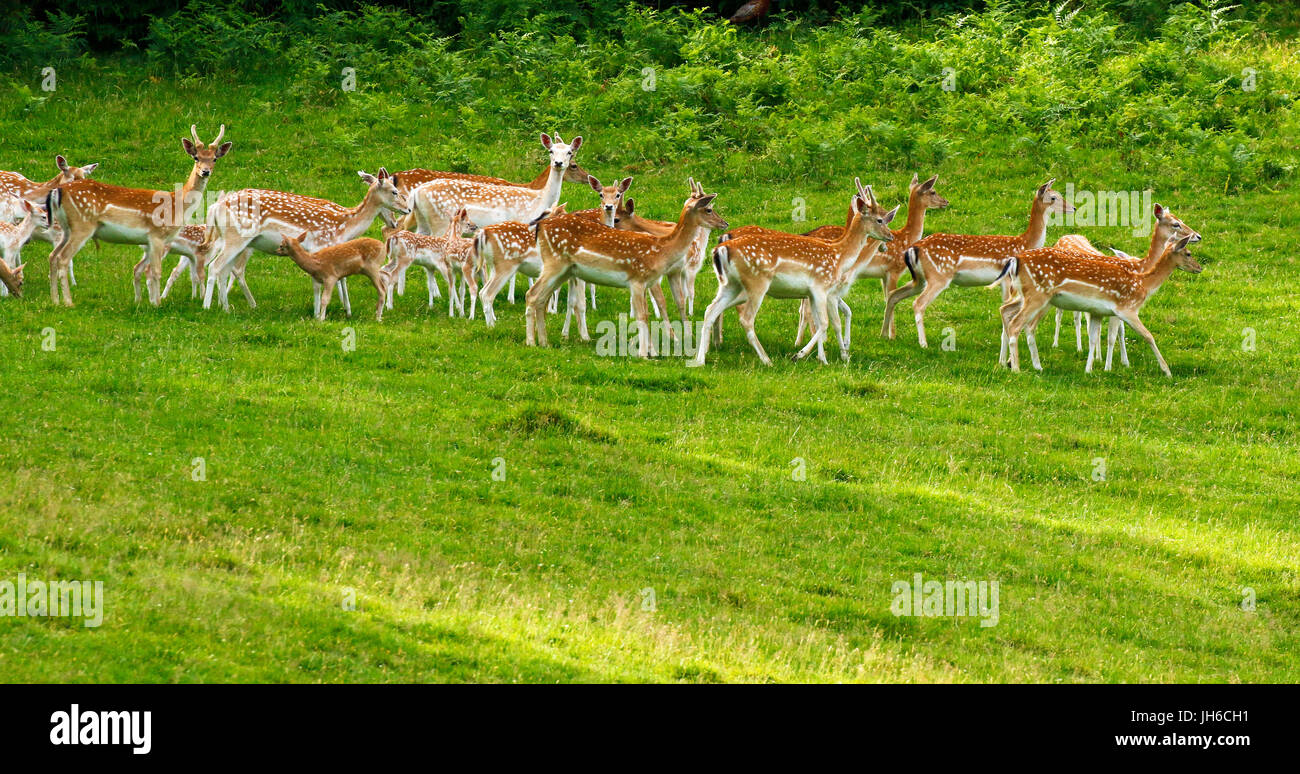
x=479, y=232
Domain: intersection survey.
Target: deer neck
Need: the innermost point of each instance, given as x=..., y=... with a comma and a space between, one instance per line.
x=27, y=228
x=1159, y=238
x=915, y=225
x=304, y=259
x=551, y=191
x=1155, y=276
x=359, y=218
x=1036, y=233
x=675, y=243
x=850, y=245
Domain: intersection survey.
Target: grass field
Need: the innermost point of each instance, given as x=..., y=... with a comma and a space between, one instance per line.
x=371, y=470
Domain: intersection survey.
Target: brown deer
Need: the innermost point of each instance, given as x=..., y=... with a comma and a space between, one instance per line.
x=445, y=253
x=86, y=209
x=328, y=265
x=12, y=238
x=1077, y=281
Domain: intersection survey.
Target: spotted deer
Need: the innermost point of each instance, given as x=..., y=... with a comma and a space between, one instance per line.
x=1166, y=227
x=574, y=246
x=753, y=267
x=257, y=219
x=504, y=249
x=444, y=253
x=330, y=265
x=86, y=209
x=12, y=238
x=407, y=248
x=1079, y=282
x=14, y=188
x=190, y=245
x=968, y=260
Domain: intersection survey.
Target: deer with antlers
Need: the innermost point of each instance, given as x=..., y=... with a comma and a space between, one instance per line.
x=1079, y=282
x=256, y=219
x=575, y=246
x=330, y=265
x=1167, y=226
x=757, y=265
x=86, y=209
x=966, y=260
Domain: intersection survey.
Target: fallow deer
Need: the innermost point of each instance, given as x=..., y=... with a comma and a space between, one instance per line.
x=505, y=249
x=444, y=254
x=255, y=219
x=573, y=246
x=190, y=245
x=750, y=268
x=1079, y=282
x=12, y=238
x=329, y=265
x=967, y=260
x=86, y=209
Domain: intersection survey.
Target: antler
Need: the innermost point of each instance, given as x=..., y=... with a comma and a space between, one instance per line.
x=220, y=133
x=194, y=132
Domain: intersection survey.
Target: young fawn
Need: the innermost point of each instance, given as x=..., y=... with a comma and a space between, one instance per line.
x=12, y=238
x=328, y=265
x=1079, y=282
x=193, y=249
x=444, y=254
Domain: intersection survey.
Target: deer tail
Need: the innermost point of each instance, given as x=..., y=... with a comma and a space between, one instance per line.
x=720, y=262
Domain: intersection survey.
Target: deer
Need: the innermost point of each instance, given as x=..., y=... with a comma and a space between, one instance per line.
x=966, y=260
x=574, y=246
x=12, y=238
x=760, y=264
x=86, y=209
x=14, y=188
x=1166, y=227
x=407, y=180
x=192, y=246
x=256, y=219
x=504, y=249
x=406, y=248
x=1077, y=281
x=329, y=265
x=436, y=253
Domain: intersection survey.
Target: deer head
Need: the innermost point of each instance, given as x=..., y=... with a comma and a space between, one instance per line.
x=611, y=196
x=384, y=191
x=561, y=154
x=69, y=173
x=1046, y=200
x=875, y=217
x=1171, y=226
x=699, y=208
x=1178, y=253
x=925, y=195
x=12, y=278
x=205, y=156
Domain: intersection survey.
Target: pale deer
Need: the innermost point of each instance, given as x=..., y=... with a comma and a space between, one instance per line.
x=574, y=246
x=86, y=209
x=445, y=254
x=12, y=238
x=762, y=264
x=256, y=219
x=407, y=180
x=1167, y=226
x=436, y=202
x=967, y=260
x=407, y=248
x=1078, y=281
x=329, y=265
x=15, y=188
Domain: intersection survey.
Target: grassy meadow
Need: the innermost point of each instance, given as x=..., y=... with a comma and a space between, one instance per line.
x=370, y=472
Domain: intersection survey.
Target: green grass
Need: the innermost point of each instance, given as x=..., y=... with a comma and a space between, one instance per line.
x=372, y=470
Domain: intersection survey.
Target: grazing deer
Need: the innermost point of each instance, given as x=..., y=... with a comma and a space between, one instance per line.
x=572, y=246
x=1079, y=282
x=436, y=202
x=255, y=219
x=86, y=209
x=436, y=253
x=1166, y=227
x=190, y=245
x=328, y=265
x=965, y=260
x=751, y=268
x=407, y=180
x=12, y=238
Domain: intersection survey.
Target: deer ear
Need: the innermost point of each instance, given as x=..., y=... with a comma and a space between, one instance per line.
x=915, y=179
x=625, y=184
x=705, y=202
x=224, y=148
x=86, y=170
x=188, y=146
x=594, y=183
x=383, y=172
x=368, y=178
x=889, y=216
x=629, y=205
x=1045, y=187
x=1182, y=243
x=61, y=162
x=929, y=184
x=1158, y=210
x=546, y=141
x=576, y=144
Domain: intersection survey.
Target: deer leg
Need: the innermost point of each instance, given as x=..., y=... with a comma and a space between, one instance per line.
x=1123, y=349
x=61, y=258
x=326, y=290
x=138, y=272
x=680, y=288
x=805, y=319
x=502, y=273
x=381, y=287
x=72, y=274
x=1078, y=331
x=535, y=301
x=583, y=333
x=928, y=295
x=343, y=296
x=431, y=284
x=657, y=297
x=728, y=296
x=907, y=291
x=593, y=303
x=471, y=287
x=511, y=297
x=755, y=291
x=1007, y=312
x=817, y=330
x=1136, y=324
x=1056, y=336
x=571, y=303
x=1094, y=342
x=185, y=263
x=1114, y=324
x=841, y=308
x=637, y=290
